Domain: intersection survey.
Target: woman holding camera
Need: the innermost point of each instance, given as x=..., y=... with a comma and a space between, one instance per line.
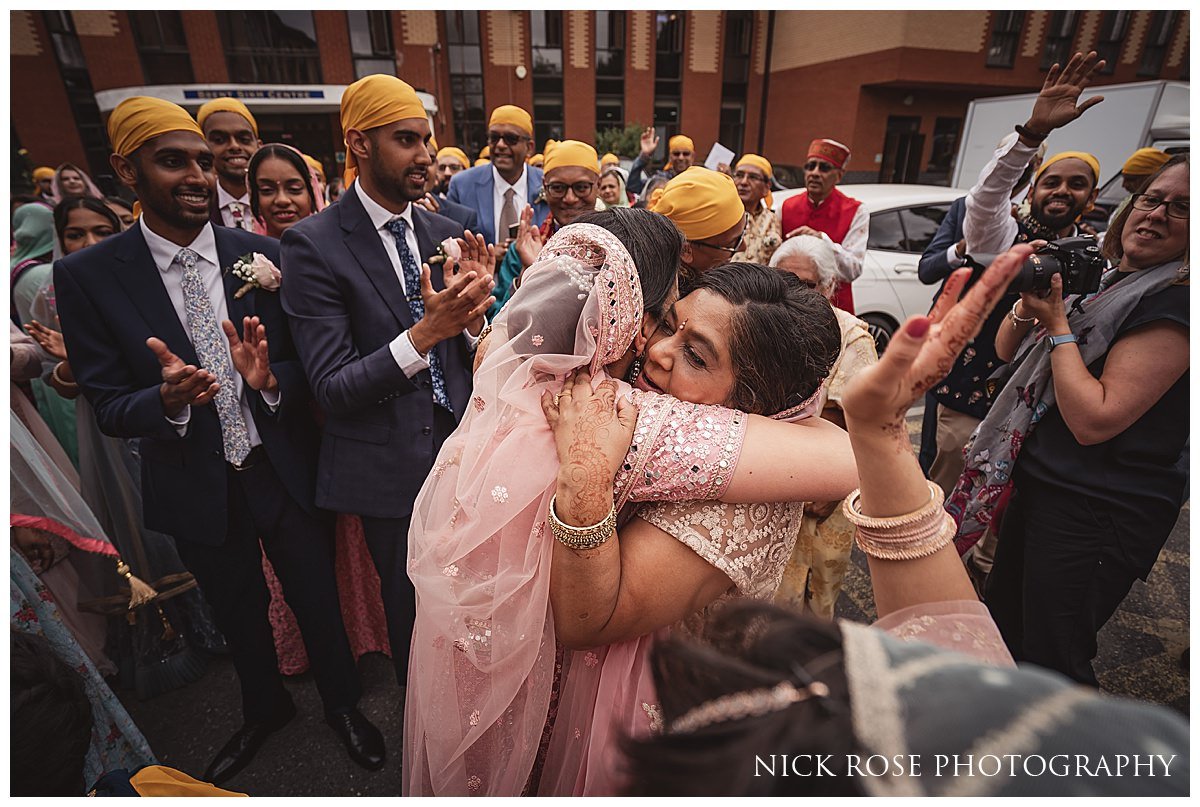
x=1086, y=442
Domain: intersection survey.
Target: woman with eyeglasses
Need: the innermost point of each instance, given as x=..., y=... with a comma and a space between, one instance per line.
x=569, y=185
x=1087, y=441
x=752, y=176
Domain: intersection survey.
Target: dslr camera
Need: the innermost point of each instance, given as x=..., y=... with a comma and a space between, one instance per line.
x=1077, y=259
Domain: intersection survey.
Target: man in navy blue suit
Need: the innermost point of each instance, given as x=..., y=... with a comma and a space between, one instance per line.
x=228, y=445
x=499, y=191
x=387, y=347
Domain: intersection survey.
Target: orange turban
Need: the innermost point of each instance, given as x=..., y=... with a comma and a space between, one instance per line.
x=456, y=153
x=514, y=116
x=1091, y=161
x=226, y=105
x=485, y=153
x=701, y=203
x=482, y=161
x=1144, y=162
x=571, y=153
x=536, y=160
x=375, y=101
x=609, y=159
x=681, y=143
x=762, y=164
x=315, y=165
x=43, y=172
x=142, y=118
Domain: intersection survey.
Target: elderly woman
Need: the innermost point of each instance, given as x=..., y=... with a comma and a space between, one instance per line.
x=814, y=574
x=612, y=188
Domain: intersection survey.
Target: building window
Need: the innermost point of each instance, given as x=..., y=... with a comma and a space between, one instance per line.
x=1112, y=34
x=371, y=42
x=466, y=80
x=1006, y=30
x=668, y=54
x=270, y=47
x=735, y=77
x=610, y=69
x=1162, y=25
x=546, y=36
x=1059, y=38
x=78, y=83
x=162, y=46
x=943, y=149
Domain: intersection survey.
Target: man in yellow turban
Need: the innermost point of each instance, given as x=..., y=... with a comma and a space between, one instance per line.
x=149, y=319
x=232, y=134
x=1141, y=164
x=43, y=180
x=706, y=208
x=450, y=161
x=385, y=342
x=499, y=191
x=752, y=176
x=436, y=202
x=681, y=154
x=570, y=186
x=609, y=159
x=537, y=160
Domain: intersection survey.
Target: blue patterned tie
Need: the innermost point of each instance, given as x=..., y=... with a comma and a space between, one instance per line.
x=416, y=304
x=211, y=350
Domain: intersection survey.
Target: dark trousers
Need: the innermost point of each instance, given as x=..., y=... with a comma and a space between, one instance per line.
x=387, y=541
x=1058, y=577
x=928, y=435
x=300, y=548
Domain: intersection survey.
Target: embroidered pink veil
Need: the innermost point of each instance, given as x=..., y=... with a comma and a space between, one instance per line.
x=482, y=657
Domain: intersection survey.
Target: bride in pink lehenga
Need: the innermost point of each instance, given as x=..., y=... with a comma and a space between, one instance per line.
x=483, y=657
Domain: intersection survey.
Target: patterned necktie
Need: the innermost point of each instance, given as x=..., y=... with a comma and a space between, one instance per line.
x=210, y=347
x=508, y=215
x=416, y=304
x=241, y=219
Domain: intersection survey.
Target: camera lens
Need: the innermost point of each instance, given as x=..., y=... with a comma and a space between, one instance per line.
x=1035, y=273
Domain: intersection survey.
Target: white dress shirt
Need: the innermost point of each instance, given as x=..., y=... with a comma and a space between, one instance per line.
x=500, y=186
x=224, y=200
x=988, y=224
x=403, y=351
x=164, y=252
x=853, y=249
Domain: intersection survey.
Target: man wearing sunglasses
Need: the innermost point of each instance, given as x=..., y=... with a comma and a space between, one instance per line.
x=498, y=191
x=706, y=208
x=681, y=154
x=571, y=185
x=824, y=211
x=752, y=177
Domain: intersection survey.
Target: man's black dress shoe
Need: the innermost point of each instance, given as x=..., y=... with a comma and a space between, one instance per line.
x=244, y=744
x=362, y=739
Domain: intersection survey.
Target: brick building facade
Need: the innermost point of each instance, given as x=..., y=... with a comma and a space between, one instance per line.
x=893, y=85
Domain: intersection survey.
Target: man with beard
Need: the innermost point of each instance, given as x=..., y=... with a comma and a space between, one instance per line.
x=232, y=134
x=824, y=211
x=706, y=208
x=227, y=442
x=386, y=346
x=570, y=186
x=499, y=190
x=1064, y=187
x=681, y=155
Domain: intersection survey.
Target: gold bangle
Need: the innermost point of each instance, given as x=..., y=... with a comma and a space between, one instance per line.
x=483, y=334
x=855, y=516
x=64, y=382
x=582, y=537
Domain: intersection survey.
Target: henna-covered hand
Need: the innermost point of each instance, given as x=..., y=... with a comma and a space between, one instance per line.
x=592, y=430
x=924, y=349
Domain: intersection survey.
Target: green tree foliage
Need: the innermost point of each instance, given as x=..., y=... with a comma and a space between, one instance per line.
x=621, y=142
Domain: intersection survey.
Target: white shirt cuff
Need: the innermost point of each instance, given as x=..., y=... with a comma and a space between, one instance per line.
x=181, y=421
x=952, y=257
x=407, y=358
x=471, y=340
x=271, y=399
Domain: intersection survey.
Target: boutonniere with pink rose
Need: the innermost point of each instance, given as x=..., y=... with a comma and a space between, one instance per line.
x=448, y=249
x=258, y=271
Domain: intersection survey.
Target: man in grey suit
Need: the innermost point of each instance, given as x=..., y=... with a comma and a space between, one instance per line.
x=387, y=348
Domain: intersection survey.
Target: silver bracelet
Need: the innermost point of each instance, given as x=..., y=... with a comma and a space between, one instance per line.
x=1018, y=320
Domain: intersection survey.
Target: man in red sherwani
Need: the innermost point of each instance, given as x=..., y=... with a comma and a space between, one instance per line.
x=824, y=211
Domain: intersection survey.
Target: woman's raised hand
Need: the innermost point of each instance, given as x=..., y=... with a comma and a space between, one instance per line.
x=476, y=254
x=529, y=238
x=924, y=349
x=592, y=430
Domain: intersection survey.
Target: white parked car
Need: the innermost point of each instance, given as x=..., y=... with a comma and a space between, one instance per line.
x=904, y=219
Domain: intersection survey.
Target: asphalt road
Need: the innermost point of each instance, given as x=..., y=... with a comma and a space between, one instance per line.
x=1139, y=657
